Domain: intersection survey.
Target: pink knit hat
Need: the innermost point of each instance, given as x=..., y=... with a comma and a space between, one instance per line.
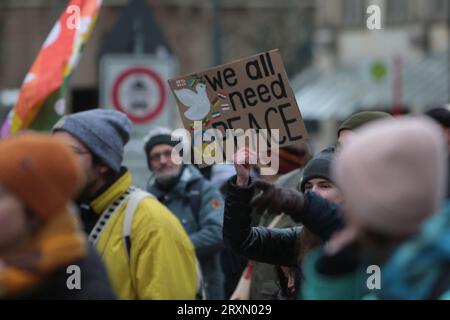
x=393, y=174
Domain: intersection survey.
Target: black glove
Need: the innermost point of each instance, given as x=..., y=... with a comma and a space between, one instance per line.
x=278, y=200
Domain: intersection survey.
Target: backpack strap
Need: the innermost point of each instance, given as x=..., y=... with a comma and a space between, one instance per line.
x=106, y=216
x=200, y=285
x=135, y=198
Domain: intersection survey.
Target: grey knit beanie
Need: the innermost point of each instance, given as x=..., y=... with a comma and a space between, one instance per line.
x=104, y=132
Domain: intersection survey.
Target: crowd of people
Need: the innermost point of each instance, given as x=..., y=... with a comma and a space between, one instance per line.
x=364, y=218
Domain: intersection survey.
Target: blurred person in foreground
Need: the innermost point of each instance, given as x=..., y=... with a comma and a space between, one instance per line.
x=442, y=116
x=40, y=238
x=318, y=215
x=313, y=206
x=384, y=209
x=390, y=190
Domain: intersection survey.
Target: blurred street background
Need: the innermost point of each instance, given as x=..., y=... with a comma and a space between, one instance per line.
x=337, y=65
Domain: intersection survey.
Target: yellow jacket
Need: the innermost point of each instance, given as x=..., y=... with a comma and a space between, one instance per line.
x=162, y=262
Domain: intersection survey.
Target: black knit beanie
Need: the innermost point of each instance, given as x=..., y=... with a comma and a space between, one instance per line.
x=318, y=167
x=160, y=139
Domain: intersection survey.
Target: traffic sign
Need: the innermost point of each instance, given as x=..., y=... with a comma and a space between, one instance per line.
x=140, y=93
x=137, y=86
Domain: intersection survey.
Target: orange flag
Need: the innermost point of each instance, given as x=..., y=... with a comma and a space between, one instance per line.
x=41, y=99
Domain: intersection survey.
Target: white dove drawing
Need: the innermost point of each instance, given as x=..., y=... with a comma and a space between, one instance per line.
x=197, y=102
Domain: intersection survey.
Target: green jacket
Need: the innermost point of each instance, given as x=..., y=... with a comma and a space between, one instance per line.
x=418, y=269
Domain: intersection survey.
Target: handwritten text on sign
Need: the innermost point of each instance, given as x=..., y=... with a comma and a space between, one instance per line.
x=251, y=93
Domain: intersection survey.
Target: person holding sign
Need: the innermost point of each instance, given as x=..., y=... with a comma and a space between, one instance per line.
x=316, y=179
x=321, y=217
x=385, y=207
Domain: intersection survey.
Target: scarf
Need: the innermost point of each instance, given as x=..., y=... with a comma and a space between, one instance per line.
x=58, y=243
x=414, y=269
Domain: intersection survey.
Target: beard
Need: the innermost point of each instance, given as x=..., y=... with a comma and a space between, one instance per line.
x=167, y=179
x=87, y=193
x=93, y=181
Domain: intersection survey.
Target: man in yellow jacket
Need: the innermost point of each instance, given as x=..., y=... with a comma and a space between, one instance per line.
x=147, y=253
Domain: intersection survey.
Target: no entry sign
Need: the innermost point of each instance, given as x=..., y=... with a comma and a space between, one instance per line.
x=140, y=93
x=137, y=86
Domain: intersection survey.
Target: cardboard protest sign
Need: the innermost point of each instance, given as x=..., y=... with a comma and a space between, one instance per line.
x=251, y=93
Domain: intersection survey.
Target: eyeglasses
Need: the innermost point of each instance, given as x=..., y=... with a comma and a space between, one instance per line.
x=78, y=151
x=157, y=156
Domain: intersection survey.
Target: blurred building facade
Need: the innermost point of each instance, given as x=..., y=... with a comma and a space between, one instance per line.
x=410, y=28
x=329, y=52
x=404, y=66
x=245, y=27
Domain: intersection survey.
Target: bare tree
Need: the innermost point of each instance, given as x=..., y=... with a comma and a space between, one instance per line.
x=287, y=28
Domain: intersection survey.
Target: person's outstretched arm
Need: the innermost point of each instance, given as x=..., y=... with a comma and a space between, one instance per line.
x=274, y=246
